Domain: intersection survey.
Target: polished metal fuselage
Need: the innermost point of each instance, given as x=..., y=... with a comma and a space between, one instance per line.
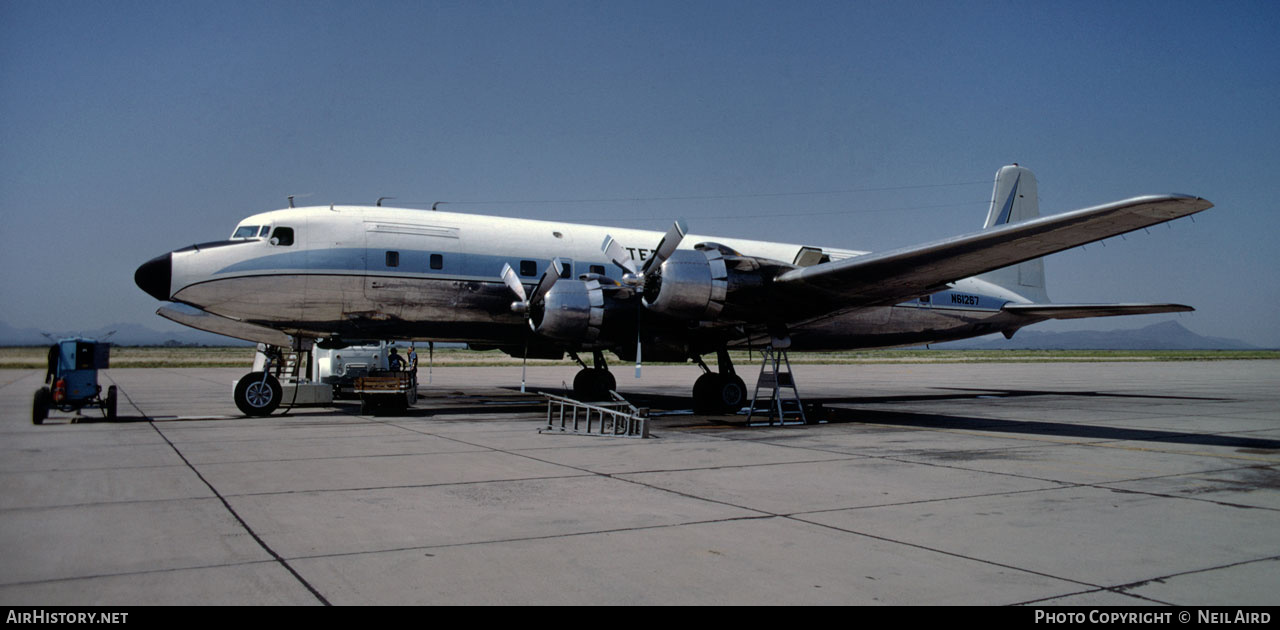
x=372, y=272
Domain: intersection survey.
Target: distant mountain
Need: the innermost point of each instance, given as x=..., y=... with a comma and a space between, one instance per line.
x=1168, y=335
x=125, y=335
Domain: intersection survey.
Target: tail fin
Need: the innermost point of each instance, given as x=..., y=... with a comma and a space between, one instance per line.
x=1014, y=199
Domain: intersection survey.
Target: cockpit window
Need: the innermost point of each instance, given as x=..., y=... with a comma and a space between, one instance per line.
x=263, y=232
x=246, y=231
x=282, y=236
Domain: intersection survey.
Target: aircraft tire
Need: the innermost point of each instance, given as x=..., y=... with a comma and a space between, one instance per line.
x=109, y=405
x=592, y=385
x=40, y=406
x=732, y=394
x=718, y=394
x=254, y=397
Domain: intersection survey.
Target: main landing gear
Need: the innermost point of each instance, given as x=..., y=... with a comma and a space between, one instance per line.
x=720, y=392
x=593, y=383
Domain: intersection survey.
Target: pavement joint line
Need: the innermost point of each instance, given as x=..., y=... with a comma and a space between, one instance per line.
x=227, y=505
x=595, y=532
x=1187, y=498
x=130, y=573
x=949, y=553
x=1099, y=485
x=1032, y=602
x=615, y=477
x=407, y=486
x=1123, y=587
x=920, y=501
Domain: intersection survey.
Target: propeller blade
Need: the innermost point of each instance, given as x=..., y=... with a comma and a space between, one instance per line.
x=548, y=280
x=667, y=245
x=618, y=254
x=513, y=282
x=639, y=363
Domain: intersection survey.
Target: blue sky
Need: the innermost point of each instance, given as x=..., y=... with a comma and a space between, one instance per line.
x=132, y=128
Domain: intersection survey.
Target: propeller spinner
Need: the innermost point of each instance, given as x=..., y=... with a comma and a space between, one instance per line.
x=525, y=302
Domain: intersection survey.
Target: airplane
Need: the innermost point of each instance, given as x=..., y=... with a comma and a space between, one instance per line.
x=330, y=275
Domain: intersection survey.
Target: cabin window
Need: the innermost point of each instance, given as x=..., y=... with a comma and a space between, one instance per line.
x=393, y=259
x=283, y=236
x=597, y=269
x=528, y=268
x=926, y=299
x=437, y=261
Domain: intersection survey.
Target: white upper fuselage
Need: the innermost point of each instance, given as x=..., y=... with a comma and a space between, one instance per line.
x=374, y=272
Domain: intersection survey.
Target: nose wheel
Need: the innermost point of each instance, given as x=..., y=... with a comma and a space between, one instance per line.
x=258, y=394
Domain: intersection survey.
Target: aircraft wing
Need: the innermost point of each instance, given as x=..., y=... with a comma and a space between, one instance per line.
x=217, y=324
x=901, y=274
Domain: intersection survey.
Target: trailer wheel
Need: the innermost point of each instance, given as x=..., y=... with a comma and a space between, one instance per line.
x=110, y=403
x=256, y=396
x=40, y=407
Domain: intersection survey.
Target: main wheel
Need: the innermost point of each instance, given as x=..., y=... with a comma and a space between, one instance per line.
x=40, y=406
x=110, y=403
x=591, y=385
x=256, y=396
x=718, y=394
x=732, y=393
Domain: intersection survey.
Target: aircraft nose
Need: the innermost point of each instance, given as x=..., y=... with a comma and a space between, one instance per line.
x=154, y=276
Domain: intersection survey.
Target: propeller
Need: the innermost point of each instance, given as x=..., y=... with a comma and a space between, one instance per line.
x=635, y=277
x=618, y=254
x=525, y=303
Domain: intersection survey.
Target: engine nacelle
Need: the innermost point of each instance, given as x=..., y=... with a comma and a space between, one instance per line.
x=573, y=310
x=698, y=284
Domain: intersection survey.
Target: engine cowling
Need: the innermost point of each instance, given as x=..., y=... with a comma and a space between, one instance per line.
x=573, y=310
x=700, y=284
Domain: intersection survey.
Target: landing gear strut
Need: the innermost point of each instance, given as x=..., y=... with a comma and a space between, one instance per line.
x=593, y=383
x=718, y=393
x=259, y=393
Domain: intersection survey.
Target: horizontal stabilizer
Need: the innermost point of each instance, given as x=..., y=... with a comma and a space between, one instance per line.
x=1078, y=311
x=219, y=325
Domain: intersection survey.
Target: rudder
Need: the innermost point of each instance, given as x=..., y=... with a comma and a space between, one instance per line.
x=1014, y=198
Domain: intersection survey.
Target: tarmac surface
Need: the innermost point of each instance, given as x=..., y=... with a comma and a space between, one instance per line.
x=1078, y=484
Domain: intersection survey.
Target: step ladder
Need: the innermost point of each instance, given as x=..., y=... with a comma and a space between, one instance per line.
x=776, y=377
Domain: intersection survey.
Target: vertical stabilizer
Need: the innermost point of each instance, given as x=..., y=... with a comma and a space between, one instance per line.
x=1013, y=199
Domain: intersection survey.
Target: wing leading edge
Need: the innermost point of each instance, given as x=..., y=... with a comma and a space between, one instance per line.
x=901, y=274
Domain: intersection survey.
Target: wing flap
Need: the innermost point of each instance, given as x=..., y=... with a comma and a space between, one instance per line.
x=900, y=274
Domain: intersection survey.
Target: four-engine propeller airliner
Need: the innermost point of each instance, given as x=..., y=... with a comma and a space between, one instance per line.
x=334, y=274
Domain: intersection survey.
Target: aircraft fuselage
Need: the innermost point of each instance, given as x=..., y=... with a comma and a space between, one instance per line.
x=372, y=272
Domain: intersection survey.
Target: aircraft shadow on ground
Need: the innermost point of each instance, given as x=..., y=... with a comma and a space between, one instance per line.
x=834, y=414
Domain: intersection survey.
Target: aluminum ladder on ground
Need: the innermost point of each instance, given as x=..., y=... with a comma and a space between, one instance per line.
x=618, y=418
x=776, y=376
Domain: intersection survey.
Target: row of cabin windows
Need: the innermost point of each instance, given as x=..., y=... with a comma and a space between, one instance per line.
x=436, y=262
x=529, y=268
